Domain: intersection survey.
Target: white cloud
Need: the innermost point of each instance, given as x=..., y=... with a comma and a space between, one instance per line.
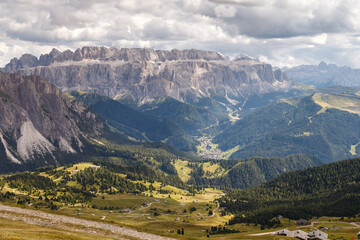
x=282, y=32
x=225, y=11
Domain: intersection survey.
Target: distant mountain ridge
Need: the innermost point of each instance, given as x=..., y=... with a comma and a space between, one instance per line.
x=325, y=75
x=141, y=75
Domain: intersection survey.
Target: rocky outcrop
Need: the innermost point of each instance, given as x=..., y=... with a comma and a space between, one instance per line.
x=141, y=75
x=37, y=122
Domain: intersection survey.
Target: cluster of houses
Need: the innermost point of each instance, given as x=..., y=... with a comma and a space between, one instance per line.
x=314, y=235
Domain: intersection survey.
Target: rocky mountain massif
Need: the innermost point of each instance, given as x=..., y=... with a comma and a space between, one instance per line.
x=324, y=75
x=136, y=75
x=38, y=125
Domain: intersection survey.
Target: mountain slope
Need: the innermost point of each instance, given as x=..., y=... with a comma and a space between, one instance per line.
x=323, y=126
x=324, y=75
x=38, y=125
x=135, y=124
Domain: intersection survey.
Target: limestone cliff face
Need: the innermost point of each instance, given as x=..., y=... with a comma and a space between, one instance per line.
x=36, y=121
x=141, y=75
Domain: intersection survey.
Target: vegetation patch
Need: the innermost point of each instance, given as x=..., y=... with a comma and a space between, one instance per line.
x=349, y=103
x=182, y=169
x=229, y=152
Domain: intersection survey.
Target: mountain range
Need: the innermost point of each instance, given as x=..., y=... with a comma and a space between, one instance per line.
x=325, y=75
x=140, y=75
x=145, y=95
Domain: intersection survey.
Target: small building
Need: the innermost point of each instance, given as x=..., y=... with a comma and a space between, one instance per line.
x=317, y=235
x=303, y=222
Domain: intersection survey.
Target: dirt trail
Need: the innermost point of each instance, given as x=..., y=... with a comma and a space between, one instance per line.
x=40, y=218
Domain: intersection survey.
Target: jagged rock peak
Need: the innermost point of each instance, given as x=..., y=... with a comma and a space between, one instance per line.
x=111, y=54
x=244, y=56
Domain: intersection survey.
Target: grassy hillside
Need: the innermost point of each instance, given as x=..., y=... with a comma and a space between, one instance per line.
x=323, y=126
x=327, y=190
x=101, y=193
x=348, y=103
x=135, y=124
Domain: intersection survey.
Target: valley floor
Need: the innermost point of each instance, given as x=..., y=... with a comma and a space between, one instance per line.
x=207, y=149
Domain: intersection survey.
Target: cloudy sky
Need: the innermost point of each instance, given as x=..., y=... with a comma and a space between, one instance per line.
x=281, y=32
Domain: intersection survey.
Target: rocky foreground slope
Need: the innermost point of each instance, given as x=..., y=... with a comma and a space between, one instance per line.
x=141, y=75
x=36, y=122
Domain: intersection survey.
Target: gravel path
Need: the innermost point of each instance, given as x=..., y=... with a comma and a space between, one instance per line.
x=262, y=234
x=54, y=219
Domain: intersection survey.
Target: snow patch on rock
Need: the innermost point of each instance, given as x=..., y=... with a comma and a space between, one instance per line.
x=32, y=142
x=7, y=151
x=65, y=146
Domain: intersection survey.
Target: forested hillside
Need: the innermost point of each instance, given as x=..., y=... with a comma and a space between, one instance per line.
x=251, y=172
x=328, y=190
x=194, y=120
